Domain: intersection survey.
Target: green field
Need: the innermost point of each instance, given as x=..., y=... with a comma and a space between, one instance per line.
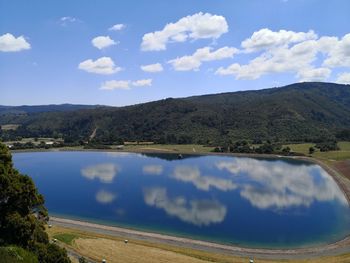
x=342, y=154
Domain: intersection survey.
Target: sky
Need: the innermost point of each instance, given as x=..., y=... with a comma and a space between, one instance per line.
x=126, y=52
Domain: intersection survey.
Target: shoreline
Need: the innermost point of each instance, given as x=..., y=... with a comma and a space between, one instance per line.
x=335, y=248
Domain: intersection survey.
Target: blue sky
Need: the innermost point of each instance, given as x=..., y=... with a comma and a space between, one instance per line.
x=48, y=53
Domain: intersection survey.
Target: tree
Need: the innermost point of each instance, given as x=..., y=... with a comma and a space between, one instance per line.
x=23, y=214
x=311, y=150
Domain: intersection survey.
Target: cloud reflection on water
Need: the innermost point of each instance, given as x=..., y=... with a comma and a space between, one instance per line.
x=105, y=197
x=277, y=184
x=198, y=212
x=152, y=169
x=192, y=175
x=104, y=172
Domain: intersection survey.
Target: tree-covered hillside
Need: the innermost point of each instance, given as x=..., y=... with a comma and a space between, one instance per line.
x=298, y=112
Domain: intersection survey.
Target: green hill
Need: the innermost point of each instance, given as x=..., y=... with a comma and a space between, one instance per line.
x=298, y=112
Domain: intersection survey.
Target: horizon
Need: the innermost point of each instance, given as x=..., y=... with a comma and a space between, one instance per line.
x=180, y=97
x=64, y=55
x=198, y=95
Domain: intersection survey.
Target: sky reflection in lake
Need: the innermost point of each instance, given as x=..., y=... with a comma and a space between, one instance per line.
x=247, y=201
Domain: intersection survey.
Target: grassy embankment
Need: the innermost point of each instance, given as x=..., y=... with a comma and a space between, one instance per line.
x=113, y=249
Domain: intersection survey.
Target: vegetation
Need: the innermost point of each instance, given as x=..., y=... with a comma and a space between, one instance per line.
x=302, y=112
x=66, y=237
x=23, y=215
x=13, y=254
x=98, y=246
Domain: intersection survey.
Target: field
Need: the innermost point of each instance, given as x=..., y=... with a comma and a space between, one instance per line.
x=97, y=247
x=342, y=154
x=7, y=127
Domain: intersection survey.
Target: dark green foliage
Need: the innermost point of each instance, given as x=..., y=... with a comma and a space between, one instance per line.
x=82, y=260
x=22, y=213
x=302, y=112
x=13, y=254
x=311, y=150
x=343, y=135
x=327, y=146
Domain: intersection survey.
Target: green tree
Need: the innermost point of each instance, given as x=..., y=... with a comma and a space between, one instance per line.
x=23, y=214
x=311, y=150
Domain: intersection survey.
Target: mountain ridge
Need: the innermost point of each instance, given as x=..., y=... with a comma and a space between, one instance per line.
x=296, y=112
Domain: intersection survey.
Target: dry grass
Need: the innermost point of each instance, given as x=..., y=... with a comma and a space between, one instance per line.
x=98, y=246
x=118, y=251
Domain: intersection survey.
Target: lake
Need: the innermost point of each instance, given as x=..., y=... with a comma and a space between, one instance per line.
x=252, y=202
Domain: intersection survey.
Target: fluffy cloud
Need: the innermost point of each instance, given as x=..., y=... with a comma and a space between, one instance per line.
x=314, y=74
x=343, y=78
x=281, y=185
x=266, y=39
x=192, y=175
x=103, y=65
x=125, y=84
x=305, y=55
x=115, y=84
x=152, y=68
x=9, y=43
x=104, y=172
x=194, y=61
x=196, y=26
x=142, y=82
x=154, y=169
x=281, y=59
x=117, y=27
x=198, y=212
x=102, y=42
x=105, y=197
x=339, y=52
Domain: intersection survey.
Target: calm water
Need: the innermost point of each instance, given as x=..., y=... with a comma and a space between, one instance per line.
x=245, y=201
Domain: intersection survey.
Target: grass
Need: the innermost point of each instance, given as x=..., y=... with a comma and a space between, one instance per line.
x=342, y=154
x=113, y=249
x=66, y=238
x=184, y=148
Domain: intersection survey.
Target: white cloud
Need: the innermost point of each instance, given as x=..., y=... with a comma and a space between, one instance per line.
x=303, y=54
x=279, y=59
x=314, y=74
x=192, y=175
x=117, y=27
x=281, y=185
x=125, y=84
x=266, y=39
x=102, y=42
x=115, y=84
x=154, y=169
x=142, y=82
x=105, y=197
x=198, y=212
x=339, y=53
x=152, y=68
x=103, y=65
x=194, y=61
x=343, y=78
x=104, y=172
x=196, y=26
x=9, y=43
x=65, y=20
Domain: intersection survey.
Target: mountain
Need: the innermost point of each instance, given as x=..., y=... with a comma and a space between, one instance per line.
x=25, y=109
x=306, y=111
